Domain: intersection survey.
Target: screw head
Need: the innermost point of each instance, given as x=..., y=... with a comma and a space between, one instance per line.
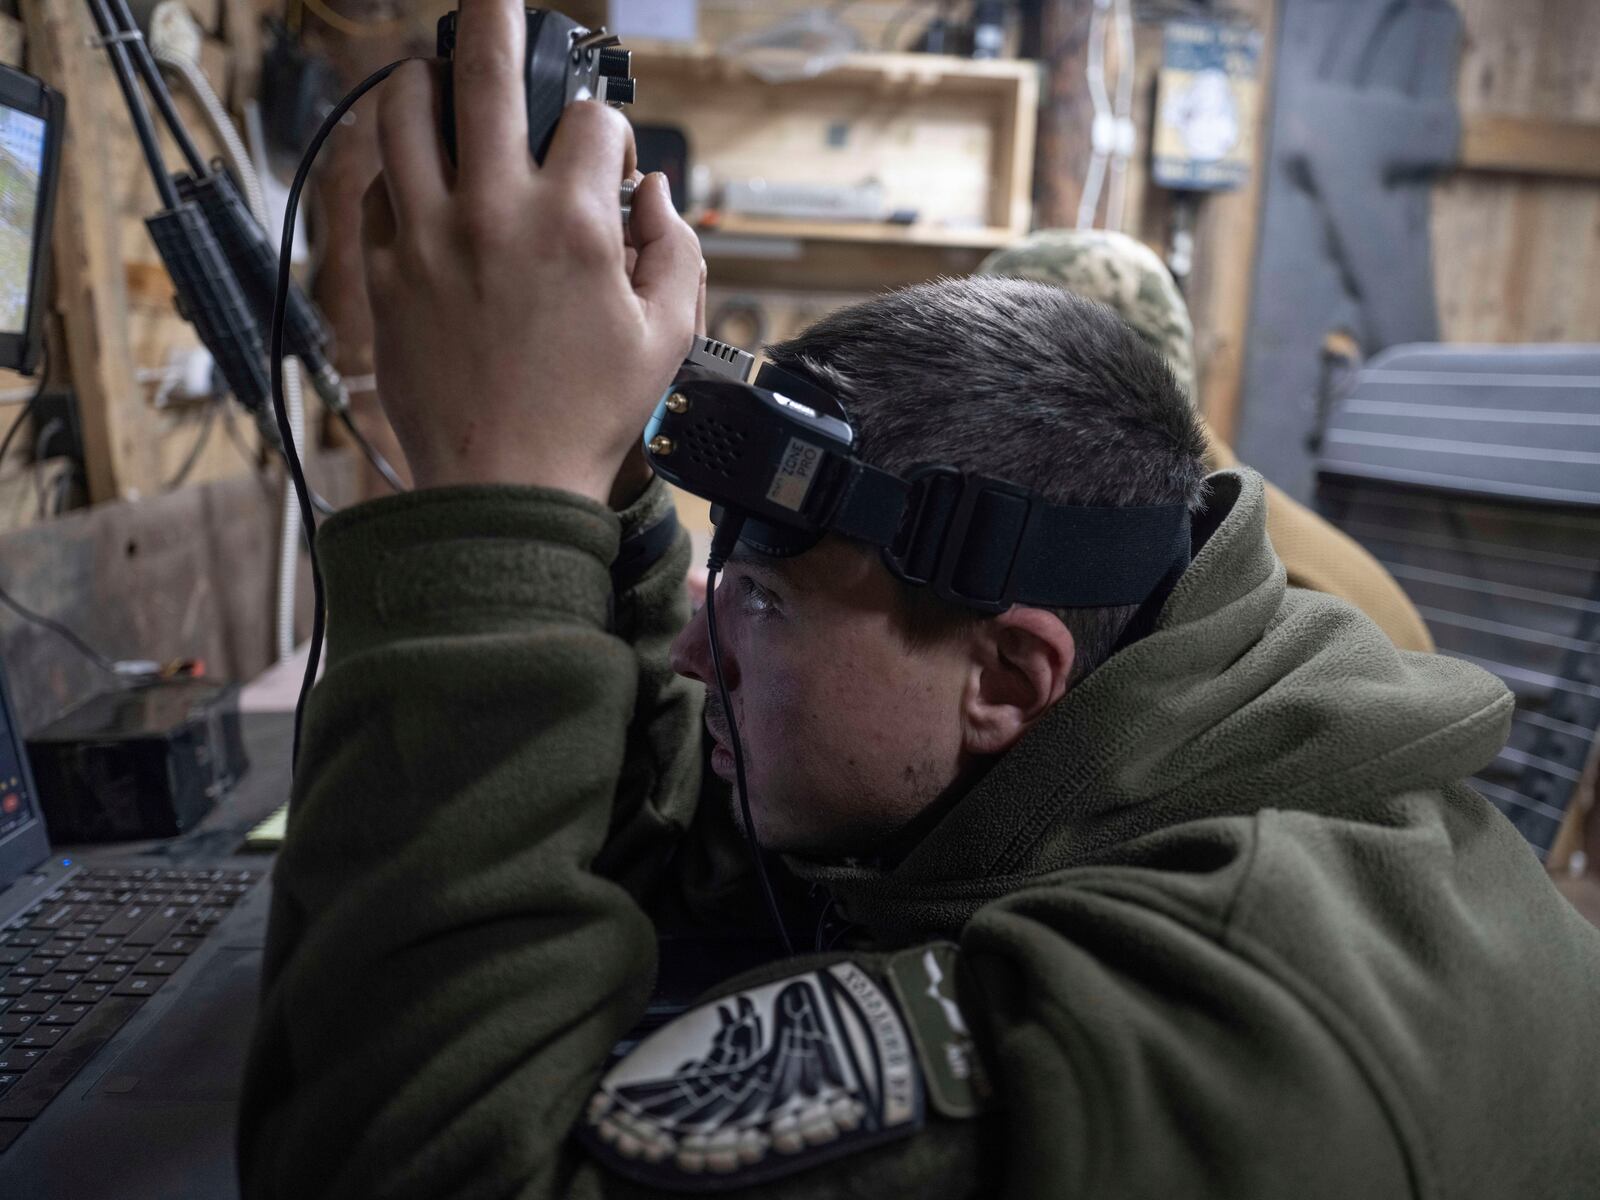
x=661, y=444
x=677, y=403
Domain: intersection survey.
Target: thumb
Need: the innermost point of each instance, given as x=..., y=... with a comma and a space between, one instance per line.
x=666, y=276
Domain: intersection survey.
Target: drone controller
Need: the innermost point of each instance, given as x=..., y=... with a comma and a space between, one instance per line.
x=565, y=61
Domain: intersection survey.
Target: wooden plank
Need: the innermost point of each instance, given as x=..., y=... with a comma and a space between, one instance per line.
x=1514, y=254
x=1530, y=145
x=1066, y=114
x=1016, y=132
x=13, y=39
x=89, y=287
x=1225, y=259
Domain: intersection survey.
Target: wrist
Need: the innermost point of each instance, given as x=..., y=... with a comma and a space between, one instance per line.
x=594, y=485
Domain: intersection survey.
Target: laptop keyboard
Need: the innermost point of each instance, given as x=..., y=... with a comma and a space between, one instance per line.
x=79, y=963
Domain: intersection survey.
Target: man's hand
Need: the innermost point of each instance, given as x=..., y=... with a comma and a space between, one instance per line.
x=514, y=344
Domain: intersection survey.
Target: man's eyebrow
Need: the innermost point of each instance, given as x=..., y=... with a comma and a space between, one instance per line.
x=753, y=559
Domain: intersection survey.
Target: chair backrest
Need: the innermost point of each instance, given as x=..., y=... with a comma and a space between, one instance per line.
x=1473, y=474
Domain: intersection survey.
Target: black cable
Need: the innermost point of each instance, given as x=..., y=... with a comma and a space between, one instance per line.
x=60, y=630
x=378, y=461
x=28, y=404
x=207, y=420
x=39, y=440
x=280, y=407
x=137, y=112
x=146, y=64
x=722, y=543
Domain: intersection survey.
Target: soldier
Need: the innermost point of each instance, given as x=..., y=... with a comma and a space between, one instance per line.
x=1123, y=272
x=1197, y=908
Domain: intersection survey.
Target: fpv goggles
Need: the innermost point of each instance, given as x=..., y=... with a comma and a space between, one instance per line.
x=780, y=451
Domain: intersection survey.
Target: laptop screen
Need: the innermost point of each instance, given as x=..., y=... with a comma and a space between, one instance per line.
x=23, y=842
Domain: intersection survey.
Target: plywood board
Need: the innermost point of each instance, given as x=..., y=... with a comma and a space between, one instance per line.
x=1517, y=257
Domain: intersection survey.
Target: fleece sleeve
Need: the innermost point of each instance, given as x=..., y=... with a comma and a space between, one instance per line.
x=659, y=781
x=445, y=971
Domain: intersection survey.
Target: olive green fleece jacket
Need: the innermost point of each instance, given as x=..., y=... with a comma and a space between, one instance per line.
x=1229, y=923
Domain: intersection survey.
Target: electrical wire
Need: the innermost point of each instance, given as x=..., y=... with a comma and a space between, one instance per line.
x=1101, y=131
x=1122, y=150
x=291, y=453
x=28, y=405
x=143, y=126
x=243, y=167
x=61, y=631
x=722, y=543
x=378, y=461
x=145, y=63
x=207, y=422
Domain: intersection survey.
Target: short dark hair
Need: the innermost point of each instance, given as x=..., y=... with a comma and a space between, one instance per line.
x=1018, y=380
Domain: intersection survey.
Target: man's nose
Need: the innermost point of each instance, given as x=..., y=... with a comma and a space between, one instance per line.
x=691, y=649
x=691, y=652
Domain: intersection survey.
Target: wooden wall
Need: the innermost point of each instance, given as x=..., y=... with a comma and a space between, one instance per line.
x=109, y=287
x=1223, y=223
x=1517, y=256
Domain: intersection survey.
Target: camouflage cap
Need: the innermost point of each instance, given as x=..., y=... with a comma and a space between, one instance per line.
x=1114, y=269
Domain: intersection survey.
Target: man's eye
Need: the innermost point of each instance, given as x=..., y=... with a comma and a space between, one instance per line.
x=754, y=596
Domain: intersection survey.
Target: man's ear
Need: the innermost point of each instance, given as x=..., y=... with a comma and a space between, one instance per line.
x=1021, y=661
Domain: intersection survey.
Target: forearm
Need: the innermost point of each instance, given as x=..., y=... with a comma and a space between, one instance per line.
x=445, y=972
x=660, y=778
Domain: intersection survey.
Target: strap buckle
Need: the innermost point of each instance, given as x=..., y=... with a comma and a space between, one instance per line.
x=946, y=507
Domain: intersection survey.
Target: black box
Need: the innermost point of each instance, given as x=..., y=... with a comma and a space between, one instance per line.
x=140, y=763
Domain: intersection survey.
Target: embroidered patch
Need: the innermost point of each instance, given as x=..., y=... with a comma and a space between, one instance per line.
x=925, y=982
x=759, y=1084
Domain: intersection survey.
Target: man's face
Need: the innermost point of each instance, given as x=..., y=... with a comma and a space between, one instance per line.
x=848, y=732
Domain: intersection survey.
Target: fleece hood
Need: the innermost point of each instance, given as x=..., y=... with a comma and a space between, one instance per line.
x=1248, y=694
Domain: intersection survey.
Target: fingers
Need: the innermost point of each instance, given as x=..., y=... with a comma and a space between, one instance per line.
x=491, y=106
x=591, y=153
x=408, y=143
x=667, y=275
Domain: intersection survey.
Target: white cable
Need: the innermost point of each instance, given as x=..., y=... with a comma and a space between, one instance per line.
x=238, y=157
x=1123, y=148
x=1103, y=131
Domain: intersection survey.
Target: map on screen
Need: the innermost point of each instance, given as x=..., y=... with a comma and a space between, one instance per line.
x=21, y=161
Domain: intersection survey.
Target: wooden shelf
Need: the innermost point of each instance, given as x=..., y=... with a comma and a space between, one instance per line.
x=949, y=138
x=995, y=75
x=877, y=233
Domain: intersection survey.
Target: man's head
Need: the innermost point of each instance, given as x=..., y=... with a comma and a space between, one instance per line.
x=861, y=700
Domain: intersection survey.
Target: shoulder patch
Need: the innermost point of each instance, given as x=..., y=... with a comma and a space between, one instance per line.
x=924, y=981
x=760, y=1083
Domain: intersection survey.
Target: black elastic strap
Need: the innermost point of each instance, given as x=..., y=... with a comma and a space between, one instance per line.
x=870, y=505
x=1098, y=557
x=642, y=549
